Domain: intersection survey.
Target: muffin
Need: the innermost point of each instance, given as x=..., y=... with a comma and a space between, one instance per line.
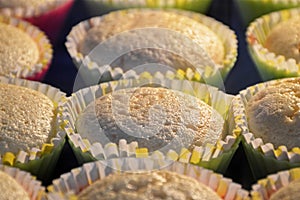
x=175, y=181
x=97, y=7
x=193, y=46
x=48, y=15
x=275, y=53
x=148, y=185
x=281, y=185
x=252, y=9
x=30, y=125
x=268, y=119
x=26, y=51
x=136, y=114
x=134, y=118
x=17, y=184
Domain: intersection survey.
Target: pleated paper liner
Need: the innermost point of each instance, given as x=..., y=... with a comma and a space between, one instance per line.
x=96, y=7
x=266, y=187
x=263, y=158
x=214, y=75
x=270, y=65
x=49, y=16
x=34, y=187
x=252, y=9
x=70, y=184
x=41, y=160
x=38, y=70
x=213, y=156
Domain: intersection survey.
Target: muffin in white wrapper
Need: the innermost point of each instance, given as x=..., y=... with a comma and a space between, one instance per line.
x=69, y=185
x=32, y=135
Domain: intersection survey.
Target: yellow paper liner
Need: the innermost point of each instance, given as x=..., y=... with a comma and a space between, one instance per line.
x=44, y=46
x=70, y=184
x=32, y=11
x=263, y=157
x=264, y=188
x=33, y=187
x=202, y=155
x=58, y=97
x=226, y=35
x=270, y=65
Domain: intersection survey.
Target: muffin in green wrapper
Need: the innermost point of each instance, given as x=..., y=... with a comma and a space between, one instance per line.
x=31, y=128
x=268, y=118
x=97, y=7
x=273, y=44
x=134, y=118
x=282, y=185
x=252, y=9
x=147, y=178
x=187, y=45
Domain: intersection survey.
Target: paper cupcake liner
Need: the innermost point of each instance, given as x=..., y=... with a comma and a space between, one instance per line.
x=263, y=158
x=40, y=161
x=102, y=6
x=252, y=9
x=213, y=156
x=269, y=65
x=34, y=187
x=49, y=17
x=264, y=188
x=37, y=71
x=88, y=67
x=70, y=184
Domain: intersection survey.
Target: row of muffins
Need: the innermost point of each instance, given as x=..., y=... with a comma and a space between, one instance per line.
x=267, y=155
x=275, y=54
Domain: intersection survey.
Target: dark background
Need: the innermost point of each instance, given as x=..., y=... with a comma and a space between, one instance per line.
x=62, y=74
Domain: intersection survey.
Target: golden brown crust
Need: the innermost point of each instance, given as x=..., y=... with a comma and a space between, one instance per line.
x=148, y=185
x=18, y=50
x=26, y=118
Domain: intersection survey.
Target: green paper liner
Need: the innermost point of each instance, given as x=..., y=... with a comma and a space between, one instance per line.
x=269, y=65
x=252, y=9
x=70, y=184
x=34, y=187
x=213, y=75
x=262, y=157
x=102, y=6
x=41, y=160
x=264, y=188
x=44, y=47
x=213, y=156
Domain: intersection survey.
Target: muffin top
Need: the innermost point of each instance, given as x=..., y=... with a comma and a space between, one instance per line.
x=156, y=118
x=289, y=192
x=273, y=114
x=26, y=118
x=18, y=50
x=148, y=185
x=284, y=39
x=23, y=3
x=117, y=22
x=11, y=189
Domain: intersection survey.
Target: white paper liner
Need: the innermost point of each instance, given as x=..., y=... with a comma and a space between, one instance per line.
x=239, y=116
x=88, y=66
x=34, y=187
x=257, y=32
x=72, y=183
x=264, y=188
x=211, y=95
x=44, y=46
x=58, y=98
x=31, y=11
